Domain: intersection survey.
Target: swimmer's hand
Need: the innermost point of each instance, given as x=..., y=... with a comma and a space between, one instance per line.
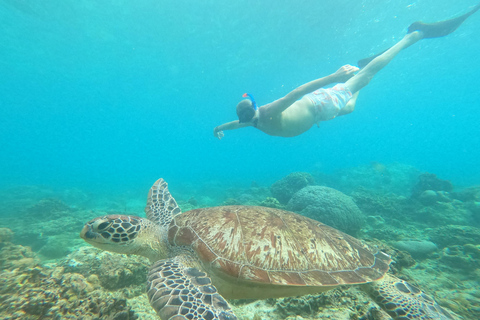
x=217, y=133
x=345, y=73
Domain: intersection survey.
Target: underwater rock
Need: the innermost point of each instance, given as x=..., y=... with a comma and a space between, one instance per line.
x=30, y=291
x=251, y=196
x=385, y=231
x=375, y=221
x=395, y=178
x=431, y=197
x=15, y=199
x=5, y=235
x=402, y=259
x=442, y=213
x=474, y=208
x=247, y=199
x=54, y=247
x=47, y=209
x=454, y=235
x=419, y=249
x=428, y=197
x=375, y=203
x=333, y=304
x=231, y=202
x=429, y=181
x=76, y=197
x=284, y=188
x=14, y=256
x=466, y=257
x=52, y=234
x=328, y=206
x=272, y=203
x=115, y=271
x=192, y=201
x=467, y=194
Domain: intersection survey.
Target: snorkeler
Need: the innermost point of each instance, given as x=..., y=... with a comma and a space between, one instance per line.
x=309, y=104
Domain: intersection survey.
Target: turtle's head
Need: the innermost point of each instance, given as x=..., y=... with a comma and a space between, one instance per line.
x=125, y=234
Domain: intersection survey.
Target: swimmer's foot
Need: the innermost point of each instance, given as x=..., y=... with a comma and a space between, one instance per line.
x=441, y=28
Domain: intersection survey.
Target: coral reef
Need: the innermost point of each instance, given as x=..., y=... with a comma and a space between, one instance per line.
x=50, y=227
x=29, y=290
x=16, y=199
x=442, y=213
x=347, y=303
x=467, y=194
x=383, y=178
x=454, y=235
x=454, y=288
x=429, y=181
x=431, y=208
x=114, y=271
x=328, y=206
x=377, y=203
x=463, y=257
x=406, y=213
x=335, y=304
x=284, y=188
x=15, y=256
x=92, y=284
x=47, y=209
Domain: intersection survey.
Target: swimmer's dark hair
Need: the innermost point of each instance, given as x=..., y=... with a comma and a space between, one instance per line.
x=245, y=111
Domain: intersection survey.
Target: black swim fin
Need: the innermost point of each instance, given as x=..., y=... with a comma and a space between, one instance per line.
x=441, y=28
x=430, y=30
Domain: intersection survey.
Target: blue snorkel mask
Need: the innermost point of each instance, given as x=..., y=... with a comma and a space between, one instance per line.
x=248, y=95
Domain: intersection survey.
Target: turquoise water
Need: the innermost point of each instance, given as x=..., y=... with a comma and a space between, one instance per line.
x=98, y=99
x=114, y=94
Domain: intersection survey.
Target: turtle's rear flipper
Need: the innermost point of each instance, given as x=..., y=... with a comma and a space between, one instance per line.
x=401, y=300
x=176, y=291
x=441, y=28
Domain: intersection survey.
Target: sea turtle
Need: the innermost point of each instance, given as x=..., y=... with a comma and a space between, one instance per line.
x=206, y=255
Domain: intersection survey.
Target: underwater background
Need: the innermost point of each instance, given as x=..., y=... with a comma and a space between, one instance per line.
x=98, y=99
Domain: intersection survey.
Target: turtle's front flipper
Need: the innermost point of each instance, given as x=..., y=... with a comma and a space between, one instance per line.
x=179, y=292
x=403, y=301
x=161, y=206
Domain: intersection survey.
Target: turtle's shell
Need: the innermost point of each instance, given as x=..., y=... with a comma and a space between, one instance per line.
x=277, y=247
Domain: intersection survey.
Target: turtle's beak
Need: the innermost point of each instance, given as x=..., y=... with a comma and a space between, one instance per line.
x=87, y=232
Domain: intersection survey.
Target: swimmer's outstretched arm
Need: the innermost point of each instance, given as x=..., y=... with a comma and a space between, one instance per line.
x=232, y=125
x=278, y=106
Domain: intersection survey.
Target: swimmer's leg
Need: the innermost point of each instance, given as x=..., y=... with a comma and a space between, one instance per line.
x=366, y=74
x=350, y=106
x=363, y=62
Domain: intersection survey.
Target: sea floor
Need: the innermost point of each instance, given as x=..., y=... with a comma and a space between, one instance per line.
x=48, y=272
